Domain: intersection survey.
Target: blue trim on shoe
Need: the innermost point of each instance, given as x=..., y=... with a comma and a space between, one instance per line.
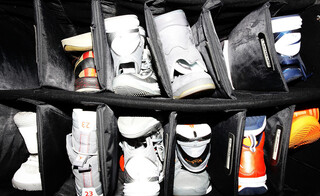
x=253, y=191
x=254, y=122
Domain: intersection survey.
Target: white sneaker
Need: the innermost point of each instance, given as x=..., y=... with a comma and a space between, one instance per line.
x=193, y=146
x=189, y=183
x=142, y=168
x=83, y=153
x=27, y=177
x=126, y=42
x=82, y=43
x=181, y=54
x=131, y=58
x=137, y=126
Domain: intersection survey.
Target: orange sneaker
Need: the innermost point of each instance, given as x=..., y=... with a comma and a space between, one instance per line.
x=252, y=171
x=305, y=128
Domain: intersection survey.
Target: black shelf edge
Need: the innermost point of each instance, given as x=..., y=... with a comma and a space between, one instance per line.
x=243, y=101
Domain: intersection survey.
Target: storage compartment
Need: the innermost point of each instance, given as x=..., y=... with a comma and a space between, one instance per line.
x=18, y=46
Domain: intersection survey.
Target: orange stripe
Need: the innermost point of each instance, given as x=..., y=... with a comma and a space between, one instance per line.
x=88, y=72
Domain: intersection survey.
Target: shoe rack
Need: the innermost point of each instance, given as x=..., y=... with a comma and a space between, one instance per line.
x=36, y=75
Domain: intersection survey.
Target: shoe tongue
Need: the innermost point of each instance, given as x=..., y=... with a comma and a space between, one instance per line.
x=254, y=125
x=128, y=123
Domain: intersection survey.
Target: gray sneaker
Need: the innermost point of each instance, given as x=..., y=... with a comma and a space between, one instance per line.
x=83, y=155
x=131, y=58
x=189, y=183
x=181, y=55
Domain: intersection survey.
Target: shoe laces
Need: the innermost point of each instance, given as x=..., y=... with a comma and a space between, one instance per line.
x=253, y=142
x=146, y=68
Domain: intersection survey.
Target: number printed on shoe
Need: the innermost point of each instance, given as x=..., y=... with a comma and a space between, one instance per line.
x=89, y=192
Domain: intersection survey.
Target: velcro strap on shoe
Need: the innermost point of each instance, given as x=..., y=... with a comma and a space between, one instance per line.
x=80, y=160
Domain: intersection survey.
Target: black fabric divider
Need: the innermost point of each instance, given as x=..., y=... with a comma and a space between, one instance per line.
x=227, y=138
x=155, y=48
x=17, y=46
x=52, y=24
x=55, y=168
x=252, y=57
x=276, y=147
x=170, y=140
x=107, y=133
x=215, y=50
x=103, y=59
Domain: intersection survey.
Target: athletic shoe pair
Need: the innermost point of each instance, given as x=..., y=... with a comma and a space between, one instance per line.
x=286, y=31
x=143, y=154
x=305, y=127
x=186, y=68
x=131, y=57
x=192, y=156
x=84, y=69
x=82, y=150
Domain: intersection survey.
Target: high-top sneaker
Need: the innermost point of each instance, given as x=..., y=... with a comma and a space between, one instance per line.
x=86, y=75
x=143, y=156
x=252, y=171
x=27, y=177
x=305, y=128
x=83, y=154
x=187, y=70
x=131, y=57
x=286, y=31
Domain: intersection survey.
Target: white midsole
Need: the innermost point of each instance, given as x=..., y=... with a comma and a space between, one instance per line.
x=252, y=182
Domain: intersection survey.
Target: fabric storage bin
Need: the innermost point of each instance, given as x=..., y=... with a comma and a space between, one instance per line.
x=18, y=54
x=52, y=127
x=226, y=137
x=103, y=10
x=110, y=151
x=205, y=40
x=251, y=57
x=55, y=21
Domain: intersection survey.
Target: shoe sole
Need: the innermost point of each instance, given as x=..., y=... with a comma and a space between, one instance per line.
x=126, y=85
x=305, y=130
x=82, y=42
x=87, y=84
x=252, y=185
x=194, y=87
